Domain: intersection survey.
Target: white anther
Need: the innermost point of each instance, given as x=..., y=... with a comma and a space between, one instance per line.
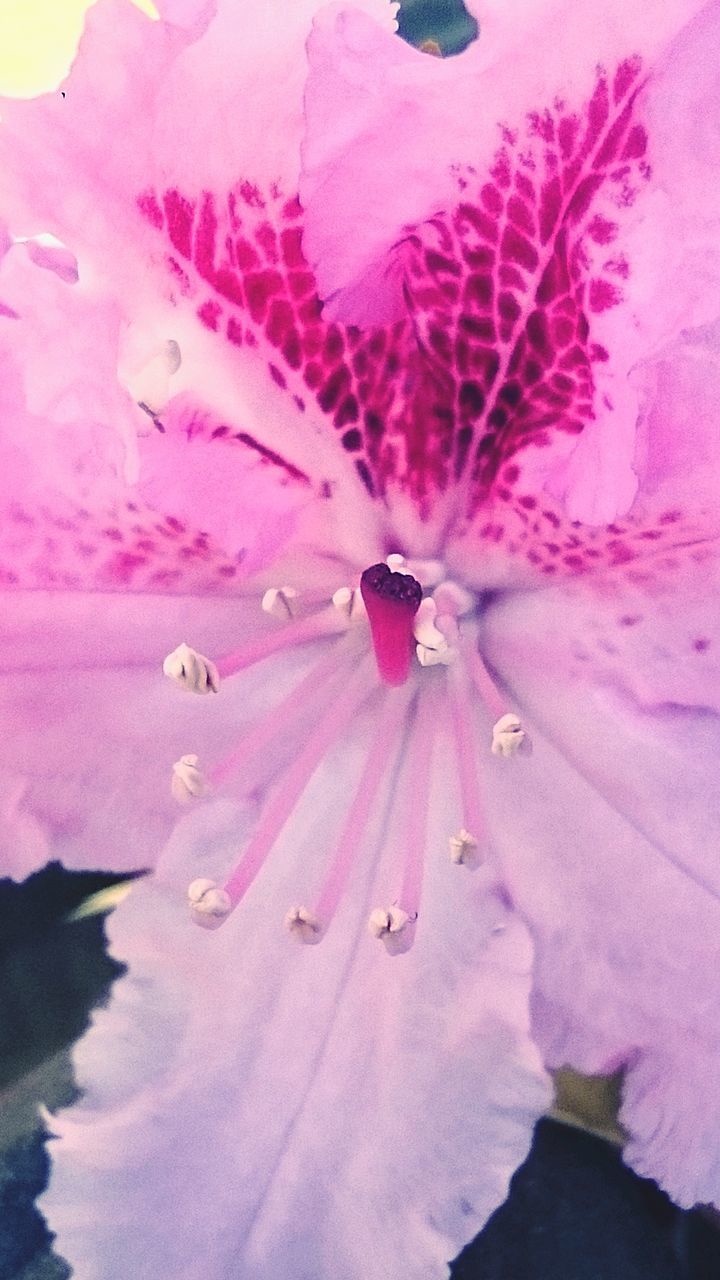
x=397, y=563
x=349, y=602
x=280, y=602
x=424, y=628
x=387, y=920
x=390, y=926
x=187, y=782
x=453, y=599
x=209, y=904
x=432, y=648
x=435, y=657
x=509, y=737
x=303, y=925
x=464, y=849
x=427, y=572
x=191, y=670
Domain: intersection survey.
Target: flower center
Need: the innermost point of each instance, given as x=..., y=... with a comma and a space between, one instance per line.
x=400, y=619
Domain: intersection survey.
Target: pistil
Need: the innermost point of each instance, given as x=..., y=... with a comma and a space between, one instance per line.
x=391, y=600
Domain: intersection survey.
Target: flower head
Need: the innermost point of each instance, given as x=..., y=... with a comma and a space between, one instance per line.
x=406, y=454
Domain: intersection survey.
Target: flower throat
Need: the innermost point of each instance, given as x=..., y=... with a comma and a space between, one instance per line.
x=403, y=641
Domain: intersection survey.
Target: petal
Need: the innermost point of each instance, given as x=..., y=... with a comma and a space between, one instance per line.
x=91, y=728
x=676, y=449
x=334, y=1078
x=96, y=496
x=24, y=846
x=665, y=543
x=610, y=855
x=195, y=228
x=672, y=1137
x=514, y=264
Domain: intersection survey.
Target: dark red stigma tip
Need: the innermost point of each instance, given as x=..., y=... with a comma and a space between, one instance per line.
x=391, y=600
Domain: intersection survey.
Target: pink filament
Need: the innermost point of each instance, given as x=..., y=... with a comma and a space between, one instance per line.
x=417, y=800
x=327, y=622
x=391, y=718
x=282, y=718
x=484, y=683
x=282, y=803
x=467, y=751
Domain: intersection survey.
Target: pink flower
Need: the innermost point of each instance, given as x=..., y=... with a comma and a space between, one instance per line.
x=512, y=389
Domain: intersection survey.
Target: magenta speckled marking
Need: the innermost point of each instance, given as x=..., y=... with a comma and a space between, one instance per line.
x=513, y=328
x=497, y=353
x=501, y=290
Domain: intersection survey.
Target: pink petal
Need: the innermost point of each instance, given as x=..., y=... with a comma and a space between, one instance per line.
x=189, y=506
x=545, y=204
x=24, y=846
x=670, y=1110
x=610, y=855
x=525, y=534
x=191, y=15
x=334, y=1079
x=92, y=728
x=195, y=226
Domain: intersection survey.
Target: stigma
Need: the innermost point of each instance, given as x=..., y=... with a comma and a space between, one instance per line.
x=391, y=601
x=399, y=645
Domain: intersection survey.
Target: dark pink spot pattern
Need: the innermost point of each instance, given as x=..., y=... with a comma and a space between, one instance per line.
x=503, y=288
x=242, y=264
x=128, y=547
x=496, y=352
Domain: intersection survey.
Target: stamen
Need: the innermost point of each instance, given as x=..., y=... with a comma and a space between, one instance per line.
x=191, y=670
x=349, y=602
x=397, y=563
x=484, y=683
x=209, y=904
x=282, y=803
x=281, y=602
x=432, y=646
x=388, y=924
x=391, y=600
x=327, y=622
x=453, y=600
x=463, y=849
x=427, y=572
x=303, y=925
x=509, y=737
x=464, y=845
x=398, y=932
x=390, y=719
x=187, y=782
x=283, y=717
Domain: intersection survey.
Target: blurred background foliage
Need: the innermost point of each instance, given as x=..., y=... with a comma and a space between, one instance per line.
x=444, y=22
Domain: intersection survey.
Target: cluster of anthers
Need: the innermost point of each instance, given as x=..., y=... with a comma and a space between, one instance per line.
x=417, y=618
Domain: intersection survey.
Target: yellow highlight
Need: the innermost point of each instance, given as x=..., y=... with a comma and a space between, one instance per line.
x=38, y=39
